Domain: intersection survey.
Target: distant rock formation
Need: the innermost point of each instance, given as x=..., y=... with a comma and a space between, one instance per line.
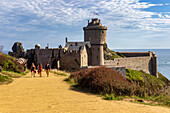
x=17, y=47
x=18, y=50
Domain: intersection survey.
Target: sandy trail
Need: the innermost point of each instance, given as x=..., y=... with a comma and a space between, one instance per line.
x=53, y=95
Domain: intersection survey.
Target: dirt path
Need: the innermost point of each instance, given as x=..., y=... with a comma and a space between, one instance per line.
x=53, y=95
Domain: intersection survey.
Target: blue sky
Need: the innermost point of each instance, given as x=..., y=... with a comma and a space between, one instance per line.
x=132, y=24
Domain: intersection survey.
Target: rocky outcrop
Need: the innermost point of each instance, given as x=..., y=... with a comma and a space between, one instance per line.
x=17, y=47
x=25, y=58
x=109, y=54
x=18, y=50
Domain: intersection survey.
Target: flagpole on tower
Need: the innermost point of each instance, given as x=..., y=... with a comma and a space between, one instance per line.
x=95, y=13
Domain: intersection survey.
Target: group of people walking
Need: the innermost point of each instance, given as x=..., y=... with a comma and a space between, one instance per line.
x=40, y=69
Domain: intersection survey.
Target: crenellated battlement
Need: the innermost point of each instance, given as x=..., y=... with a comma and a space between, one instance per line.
x=71, y=51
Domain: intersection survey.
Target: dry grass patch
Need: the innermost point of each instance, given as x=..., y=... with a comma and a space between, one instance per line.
x=59, y=72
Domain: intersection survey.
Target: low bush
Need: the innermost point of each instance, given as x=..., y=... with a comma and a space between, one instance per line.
x=162, y=99
x=145, y=84
x=102, y=80
x=113, y=97
x=114, y=87
x=5, y=79
x=109, y=97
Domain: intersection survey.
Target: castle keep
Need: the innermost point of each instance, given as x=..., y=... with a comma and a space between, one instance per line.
x=90, y=53
x=95, y=33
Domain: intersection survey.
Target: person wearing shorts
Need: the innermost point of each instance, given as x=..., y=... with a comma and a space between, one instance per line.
x=47, y=69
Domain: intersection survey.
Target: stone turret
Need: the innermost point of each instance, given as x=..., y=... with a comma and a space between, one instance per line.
x=95, y=33
x=37, y=46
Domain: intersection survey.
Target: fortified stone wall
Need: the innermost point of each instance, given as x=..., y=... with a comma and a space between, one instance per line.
x=135, y=63
x=152, y=62
x=59, y=58
x=70, y=61
x=46, y=55
x=121, y=70
x=30, y=55
x=135, y=54
x=73, y=60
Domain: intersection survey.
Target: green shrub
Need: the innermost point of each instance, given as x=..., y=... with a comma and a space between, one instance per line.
x=134, y=76
x=162, y=99
x=114, y=56
x=109, y=97
x=3, y=78
x=62, y=73
x=112, y=97
x=10, y=64
x=145, y=84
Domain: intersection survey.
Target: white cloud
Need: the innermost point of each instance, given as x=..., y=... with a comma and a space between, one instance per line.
x=160, y=15
x=167, y=16
x=119, y=14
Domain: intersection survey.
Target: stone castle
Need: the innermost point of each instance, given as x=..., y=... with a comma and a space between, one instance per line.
x=89, y=53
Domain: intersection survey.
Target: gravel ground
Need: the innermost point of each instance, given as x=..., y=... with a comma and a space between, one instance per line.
x=53, y=95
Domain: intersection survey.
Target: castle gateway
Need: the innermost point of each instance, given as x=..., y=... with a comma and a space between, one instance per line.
x=91, y=52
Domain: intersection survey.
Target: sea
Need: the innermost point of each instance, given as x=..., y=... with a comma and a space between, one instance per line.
x=163, y=56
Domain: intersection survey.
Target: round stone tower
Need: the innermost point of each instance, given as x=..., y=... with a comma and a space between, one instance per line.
x=95, y=33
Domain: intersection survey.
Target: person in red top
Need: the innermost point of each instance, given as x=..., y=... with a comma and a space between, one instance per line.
x=40, y=70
